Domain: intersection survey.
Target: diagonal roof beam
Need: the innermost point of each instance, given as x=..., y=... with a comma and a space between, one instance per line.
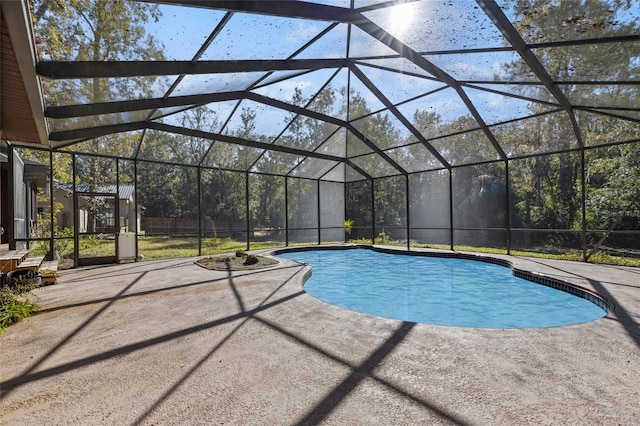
x=318, y=116
x=94, y=132
x=133, y=105
x=383, y=5
x=84, y=110
x=372, y=87
x=501, y=21
x=100, y=69
x=254, y=144
x=69, y=111
x=203, y=48
x=80, y=110
x=289, y=9
x=239, y=141
x=406, y=52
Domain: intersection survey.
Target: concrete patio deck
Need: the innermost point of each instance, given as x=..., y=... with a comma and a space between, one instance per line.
x=168, y=342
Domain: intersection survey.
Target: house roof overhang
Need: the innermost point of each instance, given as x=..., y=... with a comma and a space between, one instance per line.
x=22, y=116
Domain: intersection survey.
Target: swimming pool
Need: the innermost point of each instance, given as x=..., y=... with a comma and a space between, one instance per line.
x=438, y=290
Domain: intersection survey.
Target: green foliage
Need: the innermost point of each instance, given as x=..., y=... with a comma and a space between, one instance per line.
x=96, y=30
x=613, y=179
x=267, y=201
x=390, y=201
x=64, y=245
x=93, y=245
x=14, y=304
x=162, y=247
x=13, y=310
x=606, y=259
x=546, y=189
x=358, y=203
x=383, y=238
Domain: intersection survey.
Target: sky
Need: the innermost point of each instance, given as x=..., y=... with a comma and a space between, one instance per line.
x=425, y=26
x=182, y=30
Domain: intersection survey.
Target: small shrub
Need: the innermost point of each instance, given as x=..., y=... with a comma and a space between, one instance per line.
x=383, y=238
x=13, y=310
x=14, y=305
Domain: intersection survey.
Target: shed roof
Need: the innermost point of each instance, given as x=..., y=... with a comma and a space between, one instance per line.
x=125, y=192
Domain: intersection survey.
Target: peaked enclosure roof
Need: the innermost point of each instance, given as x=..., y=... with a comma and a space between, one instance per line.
x=348, y=90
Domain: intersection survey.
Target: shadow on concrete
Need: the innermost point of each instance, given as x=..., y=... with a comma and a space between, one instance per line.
x=29, y=376
x=322, y=409
x=622, y=316
x=11, y=384
x=246, y=315
x=121, y=296
x=359, y=372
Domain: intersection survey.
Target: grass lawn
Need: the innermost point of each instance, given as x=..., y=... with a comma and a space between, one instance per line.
x=166, y=247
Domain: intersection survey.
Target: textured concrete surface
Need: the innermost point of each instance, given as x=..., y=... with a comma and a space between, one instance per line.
x=168, y=342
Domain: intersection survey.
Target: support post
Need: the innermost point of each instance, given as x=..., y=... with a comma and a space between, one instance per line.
x=52, y=216
x=199, y=191
x=247, y=210
x=451, y=209
x=318, y=211
x=11, y=197
x=406, y=180
x=508, y=201
x=116, y=213
x=583, y=183
x=76, y=222
x=135, y=204
x=286, y=211
x=373, y=212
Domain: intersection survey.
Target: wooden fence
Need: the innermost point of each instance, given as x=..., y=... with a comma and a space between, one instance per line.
x=174, y=226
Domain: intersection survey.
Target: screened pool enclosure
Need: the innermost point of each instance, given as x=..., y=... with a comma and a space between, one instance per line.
x=192, y=127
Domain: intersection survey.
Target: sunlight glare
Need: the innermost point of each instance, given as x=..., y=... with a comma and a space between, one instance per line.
x=400, y=19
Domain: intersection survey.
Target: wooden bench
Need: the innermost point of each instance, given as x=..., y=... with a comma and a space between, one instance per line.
x=48, y=271
x=11, y=259
x=30, y=263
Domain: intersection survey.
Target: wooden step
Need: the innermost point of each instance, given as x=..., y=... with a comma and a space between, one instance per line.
x=30, y=263
x=11, y=259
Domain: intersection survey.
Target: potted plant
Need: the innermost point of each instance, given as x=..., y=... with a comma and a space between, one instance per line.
x=348, y=223
x=24, y=277
x=48, y=276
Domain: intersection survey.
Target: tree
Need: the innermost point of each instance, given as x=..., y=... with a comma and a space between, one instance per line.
x=546, y=188
x=96, y=30
x=613, y=200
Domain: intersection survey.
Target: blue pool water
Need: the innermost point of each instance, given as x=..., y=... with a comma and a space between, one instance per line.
x=442, y=291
